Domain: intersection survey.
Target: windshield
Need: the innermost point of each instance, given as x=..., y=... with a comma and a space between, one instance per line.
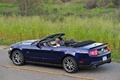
x=51, y=37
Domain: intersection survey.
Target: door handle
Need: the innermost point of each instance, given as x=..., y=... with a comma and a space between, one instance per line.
x=52, y=50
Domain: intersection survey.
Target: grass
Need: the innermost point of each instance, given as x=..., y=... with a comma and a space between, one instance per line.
x=8, y=9
x=101, y=24
x=100, y=29
x=61, y=9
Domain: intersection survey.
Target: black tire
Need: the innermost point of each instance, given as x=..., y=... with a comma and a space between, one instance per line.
x=70, y=65
x=17, y=58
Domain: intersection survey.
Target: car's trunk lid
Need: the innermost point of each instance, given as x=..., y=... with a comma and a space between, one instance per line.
x=94, y=45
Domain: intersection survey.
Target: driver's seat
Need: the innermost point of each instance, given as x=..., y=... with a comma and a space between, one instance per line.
x=62, y=43
x=72, y=41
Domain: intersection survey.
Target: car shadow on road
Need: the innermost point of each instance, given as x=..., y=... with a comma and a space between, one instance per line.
x=45, y=65
x=99, y=69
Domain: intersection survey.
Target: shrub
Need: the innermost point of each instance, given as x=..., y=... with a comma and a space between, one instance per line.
x=27, y=6
x=65, y=0
x=90, y=4
x=101, y=3
x=110, y=5
x=116, y=2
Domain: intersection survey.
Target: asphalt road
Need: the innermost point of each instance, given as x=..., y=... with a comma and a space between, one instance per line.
x=8, y=71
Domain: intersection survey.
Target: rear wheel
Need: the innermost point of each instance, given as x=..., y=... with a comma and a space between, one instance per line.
x=70, y=65
x=17, y=58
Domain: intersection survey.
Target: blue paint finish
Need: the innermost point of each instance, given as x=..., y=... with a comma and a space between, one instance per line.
x=54, y=55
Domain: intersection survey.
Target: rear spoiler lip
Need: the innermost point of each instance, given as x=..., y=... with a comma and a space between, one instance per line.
x=99, y=45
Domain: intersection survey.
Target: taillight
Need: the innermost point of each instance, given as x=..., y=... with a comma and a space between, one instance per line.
x=94, y=53
x=108, y=48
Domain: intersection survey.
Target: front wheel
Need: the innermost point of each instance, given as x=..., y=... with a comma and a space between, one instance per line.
x=17, y=58
x=70, y=65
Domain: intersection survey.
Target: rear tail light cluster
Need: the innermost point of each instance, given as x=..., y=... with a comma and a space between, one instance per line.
x=96, y=52
x=93, y=53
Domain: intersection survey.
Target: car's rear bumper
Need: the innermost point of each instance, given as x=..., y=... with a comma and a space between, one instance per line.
x=96, y=64
x=100, y=63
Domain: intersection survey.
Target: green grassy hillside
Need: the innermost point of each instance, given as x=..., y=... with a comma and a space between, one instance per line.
x=100, y=29
x=76, y=18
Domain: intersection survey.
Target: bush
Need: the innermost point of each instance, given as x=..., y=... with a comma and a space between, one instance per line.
x=116, y=2
x=101, y=3
x=27, y=6
x=110, y=5
x=7, y=1
x=90, y=4
x=65, y=0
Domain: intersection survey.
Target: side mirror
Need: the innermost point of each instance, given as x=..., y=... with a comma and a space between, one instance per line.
x=38, y=45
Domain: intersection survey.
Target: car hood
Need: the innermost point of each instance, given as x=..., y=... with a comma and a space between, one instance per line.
x=26, y=42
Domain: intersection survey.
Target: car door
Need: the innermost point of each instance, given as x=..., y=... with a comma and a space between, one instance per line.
x=56, y=55
x=43, y=54
x=50, y=54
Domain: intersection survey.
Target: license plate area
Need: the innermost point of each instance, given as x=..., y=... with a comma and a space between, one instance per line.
x=104, y=58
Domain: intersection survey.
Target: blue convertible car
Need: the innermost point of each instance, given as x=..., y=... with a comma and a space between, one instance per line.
x=70, y=54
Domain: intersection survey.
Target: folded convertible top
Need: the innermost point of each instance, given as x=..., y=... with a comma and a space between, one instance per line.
x=83, y=43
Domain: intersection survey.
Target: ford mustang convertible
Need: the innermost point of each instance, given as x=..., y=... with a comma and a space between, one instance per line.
x=70, y=54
